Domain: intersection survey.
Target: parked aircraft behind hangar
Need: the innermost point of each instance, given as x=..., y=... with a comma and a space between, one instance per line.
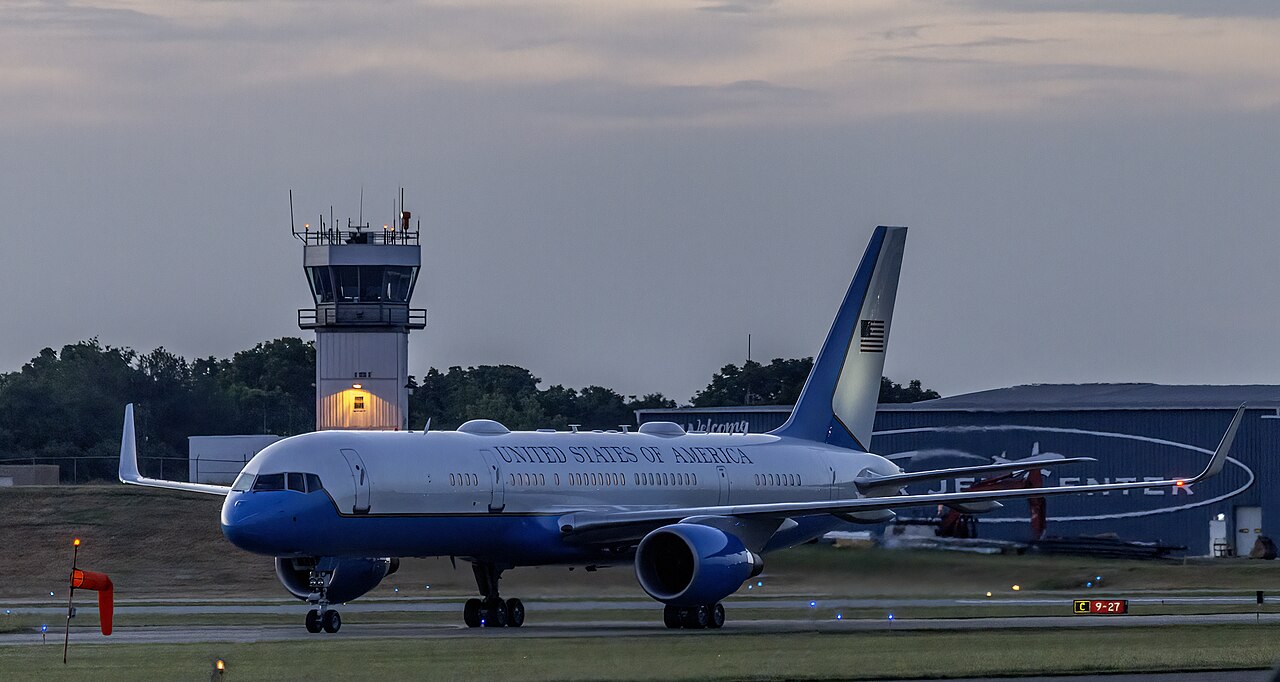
x=694, y=513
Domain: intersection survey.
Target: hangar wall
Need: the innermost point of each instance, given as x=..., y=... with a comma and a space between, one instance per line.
x=1136, y=432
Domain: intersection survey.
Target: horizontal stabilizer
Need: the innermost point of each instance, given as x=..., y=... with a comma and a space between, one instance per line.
x=872, y=482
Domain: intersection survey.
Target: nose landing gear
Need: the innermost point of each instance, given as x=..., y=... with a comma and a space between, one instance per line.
x=322, y=617
x=492, y=611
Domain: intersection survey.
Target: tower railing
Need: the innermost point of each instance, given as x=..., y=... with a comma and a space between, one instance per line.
x=361, y=314
x=329, y=237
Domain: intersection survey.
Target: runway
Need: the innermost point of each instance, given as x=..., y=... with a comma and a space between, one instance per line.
x=353, y=629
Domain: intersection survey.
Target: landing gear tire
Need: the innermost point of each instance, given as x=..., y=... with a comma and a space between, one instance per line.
x=696, y=618
x=313, y=621
x=471, y=613
x=671, y=617
x=515, y=613
x=331, y=621
x=495, y=616
x=715, y=619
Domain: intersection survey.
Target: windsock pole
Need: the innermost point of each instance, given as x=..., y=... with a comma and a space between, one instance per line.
x=71, y=590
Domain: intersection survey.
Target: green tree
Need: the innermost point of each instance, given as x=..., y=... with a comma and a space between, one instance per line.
x=780, y=383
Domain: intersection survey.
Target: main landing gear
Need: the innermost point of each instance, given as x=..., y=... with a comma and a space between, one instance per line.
x=694, y=617
x=322, y=617
x=492, y=611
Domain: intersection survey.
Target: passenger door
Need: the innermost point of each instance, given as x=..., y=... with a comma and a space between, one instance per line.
x=724, y=485
x=497, y=497
x=361, y=478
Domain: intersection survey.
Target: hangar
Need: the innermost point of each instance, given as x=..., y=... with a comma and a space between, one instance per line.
x=1136, y=432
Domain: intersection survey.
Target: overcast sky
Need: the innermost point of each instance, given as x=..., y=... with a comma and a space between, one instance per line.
x=617, y=193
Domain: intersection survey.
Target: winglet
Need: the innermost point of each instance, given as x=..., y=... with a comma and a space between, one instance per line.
x=1219, y=458
x=129, y=449
x=129, y=465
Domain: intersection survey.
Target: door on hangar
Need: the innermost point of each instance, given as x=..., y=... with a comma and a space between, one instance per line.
x=1248, y=528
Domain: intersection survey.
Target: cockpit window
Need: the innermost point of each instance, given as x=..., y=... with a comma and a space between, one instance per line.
x=269, y=482
x=243, y=483
x=296, y=483
x=313, y=483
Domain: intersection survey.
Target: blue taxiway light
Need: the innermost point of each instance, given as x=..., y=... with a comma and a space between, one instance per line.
x=1098, y=578
x=760, y=583
x=1089, y=584
x=44, y=628
x=891, y=616
x=813, y=604
x=839, y=616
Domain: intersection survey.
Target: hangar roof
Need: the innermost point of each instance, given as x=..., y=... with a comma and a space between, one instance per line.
x=1056, y=397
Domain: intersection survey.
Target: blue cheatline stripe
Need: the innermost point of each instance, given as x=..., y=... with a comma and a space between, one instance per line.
x=812, y=418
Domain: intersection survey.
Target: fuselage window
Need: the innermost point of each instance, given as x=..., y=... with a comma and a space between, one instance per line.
x=557, y=479
x=451, y=480
x=666, y=480
x=695, y=479
x=542, y=480
x=243, y=483
x=269, y=482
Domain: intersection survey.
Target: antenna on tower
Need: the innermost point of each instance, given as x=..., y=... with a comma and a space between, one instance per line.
x=361, y=221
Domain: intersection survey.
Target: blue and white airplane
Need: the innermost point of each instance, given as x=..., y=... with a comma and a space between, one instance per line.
x=693, y=512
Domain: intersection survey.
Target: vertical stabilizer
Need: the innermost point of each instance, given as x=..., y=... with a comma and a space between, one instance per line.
x=838, y=403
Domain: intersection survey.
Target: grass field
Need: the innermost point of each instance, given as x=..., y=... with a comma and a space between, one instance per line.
x=165, y=545
x=161, y=547
x=688, y=656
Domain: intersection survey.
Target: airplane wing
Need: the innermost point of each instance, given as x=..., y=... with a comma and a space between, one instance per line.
x=129, y=465
x=869, y=483
x=617, y=526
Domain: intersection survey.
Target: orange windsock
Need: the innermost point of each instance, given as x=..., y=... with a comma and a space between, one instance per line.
x=100, y=583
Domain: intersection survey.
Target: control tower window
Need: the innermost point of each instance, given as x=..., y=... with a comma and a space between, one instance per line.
x=322, y=284
x=348, y=283
x=397, y=282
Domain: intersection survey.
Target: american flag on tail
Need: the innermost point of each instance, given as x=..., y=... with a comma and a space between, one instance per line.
x=871, y=336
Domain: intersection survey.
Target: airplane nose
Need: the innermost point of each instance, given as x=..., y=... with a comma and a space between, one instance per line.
x=247, y=525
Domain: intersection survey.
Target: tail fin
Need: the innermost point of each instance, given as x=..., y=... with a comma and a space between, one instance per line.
x=838, y=403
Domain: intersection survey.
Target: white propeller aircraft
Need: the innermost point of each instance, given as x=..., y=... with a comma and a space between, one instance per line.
x=693, y=512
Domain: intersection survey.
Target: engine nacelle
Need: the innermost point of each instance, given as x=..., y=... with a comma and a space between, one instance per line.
x=688, y=564
x=351, y=577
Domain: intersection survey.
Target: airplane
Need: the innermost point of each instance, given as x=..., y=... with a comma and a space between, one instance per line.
x=693, y=513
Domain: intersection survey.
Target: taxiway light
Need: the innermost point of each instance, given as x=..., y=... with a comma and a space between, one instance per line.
x=760, y=583
x=1089, y=584
x=1097, y=578
x=839, y=616
x=813, y=604
x=51, y=594
x=44, y=627
x=891, y=618
x=1016, y=588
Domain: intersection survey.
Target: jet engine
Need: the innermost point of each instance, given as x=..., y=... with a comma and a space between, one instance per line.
x=688, y=564
x=350, y=577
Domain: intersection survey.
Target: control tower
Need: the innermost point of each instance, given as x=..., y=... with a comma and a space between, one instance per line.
x=362, y=280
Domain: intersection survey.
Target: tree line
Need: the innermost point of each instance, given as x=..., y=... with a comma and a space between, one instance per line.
x=69, y=404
